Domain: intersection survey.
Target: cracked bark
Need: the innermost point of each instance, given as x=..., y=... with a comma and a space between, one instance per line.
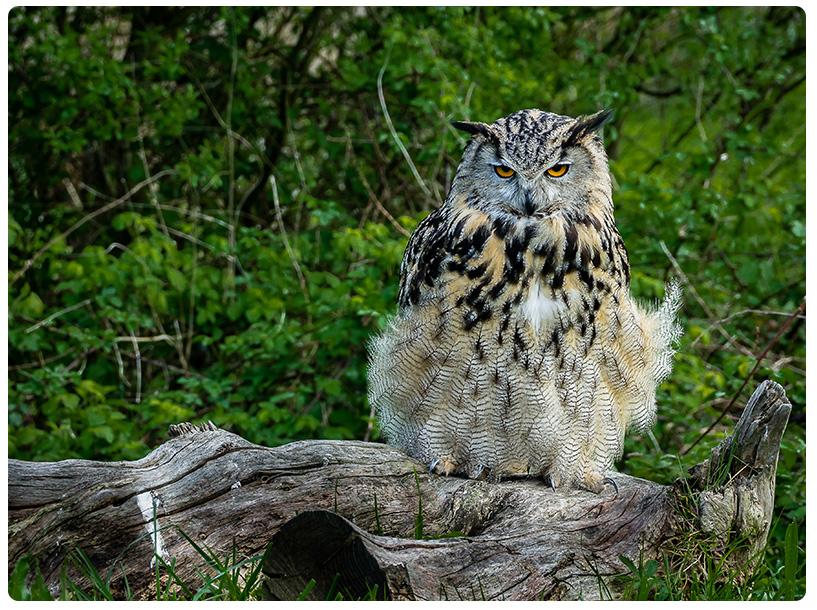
x=311, y=506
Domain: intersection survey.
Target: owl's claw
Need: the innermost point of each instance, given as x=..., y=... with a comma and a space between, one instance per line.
x=481, y=468
x=612, y=482
x=433, y=465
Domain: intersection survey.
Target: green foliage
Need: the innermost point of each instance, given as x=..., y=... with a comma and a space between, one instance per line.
x=99, y=586
x=701, y=570
x=26, y=582
x=226, y=578
x=206, y=294
x=307, y=590
x=232, y=578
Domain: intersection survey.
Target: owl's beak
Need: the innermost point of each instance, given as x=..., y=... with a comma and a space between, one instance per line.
x=529, y=205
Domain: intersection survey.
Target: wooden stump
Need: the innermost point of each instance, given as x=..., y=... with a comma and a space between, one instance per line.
x=361, y=517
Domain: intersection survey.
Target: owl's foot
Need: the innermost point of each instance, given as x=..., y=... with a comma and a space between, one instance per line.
x=592, y=481
x=595, y=482
x=444, y=466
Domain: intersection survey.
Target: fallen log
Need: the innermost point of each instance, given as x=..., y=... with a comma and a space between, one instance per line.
x=363, y=519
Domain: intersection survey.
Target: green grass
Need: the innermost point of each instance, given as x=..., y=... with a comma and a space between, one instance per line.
x=702, y=568
x=223, y=577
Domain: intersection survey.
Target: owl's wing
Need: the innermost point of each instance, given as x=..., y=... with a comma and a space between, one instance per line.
x=424, y=259
x=447, y=244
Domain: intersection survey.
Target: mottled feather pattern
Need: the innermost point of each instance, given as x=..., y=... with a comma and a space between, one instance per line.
x=517, y=348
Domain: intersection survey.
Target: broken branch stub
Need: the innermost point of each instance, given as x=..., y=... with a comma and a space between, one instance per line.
x=736, y=484
x=365, y=520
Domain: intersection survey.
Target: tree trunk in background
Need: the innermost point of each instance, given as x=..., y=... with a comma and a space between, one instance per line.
x=354, y=516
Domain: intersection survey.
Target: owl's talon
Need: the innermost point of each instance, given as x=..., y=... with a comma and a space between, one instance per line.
x=612, y=482
x=433, y=465
x=481, y=469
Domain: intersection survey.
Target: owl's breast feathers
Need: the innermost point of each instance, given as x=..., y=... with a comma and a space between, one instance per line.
x=518, y=347
x=513, y=269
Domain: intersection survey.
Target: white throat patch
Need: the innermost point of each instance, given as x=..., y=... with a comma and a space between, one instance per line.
x=540, y=310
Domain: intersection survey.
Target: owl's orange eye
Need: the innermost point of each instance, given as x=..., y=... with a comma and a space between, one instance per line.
x=503, y=171
x=558, y=170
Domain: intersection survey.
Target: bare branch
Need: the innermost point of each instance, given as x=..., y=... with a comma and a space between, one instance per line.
x=57, y=314
x=282, y=229
x=396, y=137
x=105, y=208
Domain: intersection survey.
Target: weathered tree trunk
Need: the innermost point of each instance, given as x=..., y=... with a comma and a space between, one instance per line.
x=354, y=515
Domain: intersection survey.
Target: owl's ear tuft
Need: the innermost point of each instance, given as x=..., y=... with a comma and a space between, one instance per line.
x=589, y=124
x=593, y=122
x=475, y=129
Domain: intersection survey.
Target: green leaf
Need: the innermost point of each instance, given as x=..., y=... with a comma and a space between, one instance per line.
x=31, y=306
x=177, y=279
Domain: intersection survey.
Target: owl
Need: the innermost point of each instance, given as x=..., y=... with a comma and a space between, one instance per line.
x=517, y=348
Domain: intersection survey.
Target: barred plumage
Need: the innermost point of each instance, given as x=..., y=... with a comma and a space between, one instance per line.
x=517, y=348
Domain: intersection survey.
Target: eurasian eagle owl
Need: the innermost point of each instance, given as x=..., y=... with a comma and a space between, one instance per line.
x=517, y=348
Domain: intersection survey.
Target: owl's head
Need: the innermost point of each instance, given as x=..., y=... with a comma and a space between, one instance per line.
x=534, y=164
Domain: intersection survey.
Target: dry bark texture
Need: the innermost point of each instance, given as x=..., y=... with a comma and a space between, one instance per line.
x=348, y=512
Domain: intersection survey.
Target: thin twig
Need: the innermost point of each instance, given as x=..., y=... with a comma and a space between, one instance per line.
x=140, y=135
x=393, y=132
x=72, y=193
x=698, y=104
x=231, y=156
x=262, y=157
x=87, y=218
x=151, y=339
x=56, y=315
x=163, y=364
x=381, y=208
x=117, y=246
x=43, y=361
x=304, y=187
x=138, y=358
x=761, y=312
x=179, y=344
x=191, y=307
x=120, y=365
x=192, y=213
x=287, y=246
x=468, y=94
x=786, y=325
x=204, y=244
x=710, y=314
